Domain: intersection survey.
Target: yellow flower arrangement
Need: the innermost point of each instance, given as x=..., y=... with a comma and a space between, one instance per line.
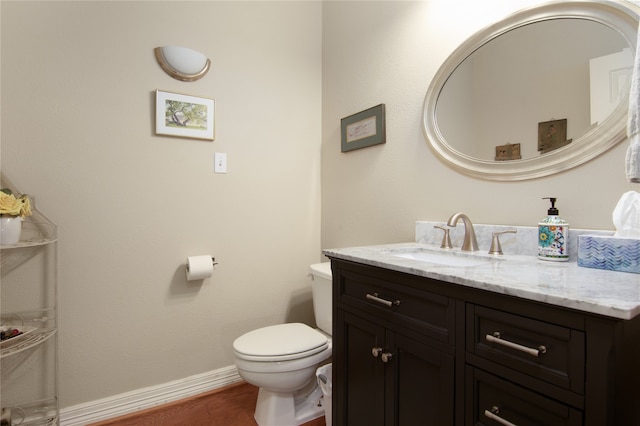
x=14, y=206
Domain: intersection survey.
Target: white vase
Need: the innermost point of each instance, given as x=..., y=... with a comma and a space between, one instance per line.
x=10, y=229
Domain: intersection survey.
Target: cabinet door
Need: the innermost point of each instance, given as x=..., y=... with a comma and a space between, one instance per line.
x=358, y=376
x=419, y=384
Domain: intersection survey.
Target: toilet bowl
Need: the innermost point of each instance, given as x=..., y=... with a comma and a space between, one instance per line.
x=282, y=359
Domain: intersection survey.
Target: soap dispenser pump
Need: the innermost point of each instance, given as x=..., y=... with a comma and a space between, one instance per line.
x=553, y=235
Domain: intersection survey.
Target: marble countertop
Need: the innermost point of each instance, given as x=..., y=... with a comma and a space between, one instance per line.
x=613, y=294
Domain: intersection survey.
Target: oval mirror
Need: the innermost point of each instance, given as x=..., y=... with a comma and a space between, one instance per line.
x=542, y=91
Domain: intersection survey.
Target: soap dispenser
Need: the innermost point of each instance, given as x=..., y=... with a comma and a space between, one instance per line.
x=553, y=235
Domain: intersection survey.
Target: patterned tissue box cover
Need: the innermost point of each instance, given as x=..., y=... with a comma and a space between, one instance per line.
x=610, y=253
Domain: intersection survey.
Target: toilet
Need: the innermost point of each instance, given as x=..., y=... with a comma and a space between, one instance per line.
x=282, y=360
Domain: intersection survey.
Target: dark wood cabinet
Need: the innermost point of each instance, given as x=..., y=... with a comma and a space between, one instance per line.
x=390, y=365
x=411, y=350
x=392, y=379
x=361, y=375
x=419, y=381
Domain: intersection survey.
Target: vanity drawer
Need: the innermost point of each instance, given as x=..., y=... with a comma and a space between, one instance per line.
x=416, y=309
x=549, y=352
x=493, y=401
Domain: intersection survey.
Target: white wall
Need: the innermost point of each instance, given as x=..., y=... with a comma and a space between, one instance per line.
x=78, y=134
x=388, y=52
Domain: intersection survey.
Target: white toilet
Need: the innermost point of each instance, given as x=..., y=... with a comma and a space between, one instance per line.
x=282, y=360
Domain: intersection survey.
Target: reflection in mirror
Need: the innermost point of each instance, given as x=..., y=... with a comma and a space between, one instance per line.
x=500, y=93
x=505, y=91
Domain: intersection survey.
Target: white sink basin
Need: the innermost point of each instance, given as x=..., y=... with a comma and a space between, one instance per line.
x=446, y=258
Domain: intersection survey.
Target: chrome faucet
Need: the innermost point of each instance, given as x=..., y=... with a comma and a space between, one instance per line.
x=470, y=242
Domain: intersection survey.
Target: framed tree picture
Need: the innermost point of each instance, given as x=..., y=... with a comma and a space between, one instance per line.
x=184, y=116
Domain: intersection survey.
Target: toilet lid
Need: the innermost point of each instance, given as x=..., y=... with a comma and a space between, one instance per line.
x=280, y=342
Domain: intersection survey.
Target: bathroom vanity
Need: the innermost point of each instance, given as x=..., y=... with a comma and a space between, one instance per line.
x=481, y=340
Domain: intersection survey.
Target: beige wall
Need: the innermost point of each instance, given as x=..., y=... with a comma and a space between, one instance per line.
x=388, y=52
x=78, y=134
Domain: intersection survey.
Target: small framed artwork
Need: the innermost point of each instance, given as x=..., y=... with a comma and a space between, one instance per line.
x=552, y=135
x=507, y=152
x=184, y=116
x=363, y=129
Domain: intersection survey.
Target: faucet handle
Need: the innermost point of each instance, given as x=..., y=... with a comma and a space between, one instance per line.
x=446, y=238
x=496, y=248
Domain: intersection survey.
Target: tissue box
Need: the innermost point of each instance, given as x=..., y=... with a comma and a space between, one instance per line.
x=610, y=253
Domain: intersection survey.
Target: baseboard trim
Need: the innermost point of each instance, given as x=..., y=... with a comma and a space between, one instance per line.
x=142, y=399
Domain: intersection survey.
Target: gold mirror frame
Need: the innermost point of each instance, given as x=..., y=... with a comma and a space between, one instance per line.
x=620, y=16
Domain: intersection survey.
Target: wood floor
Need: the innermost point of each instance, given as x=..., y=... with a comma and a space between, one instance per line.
x=231, y=406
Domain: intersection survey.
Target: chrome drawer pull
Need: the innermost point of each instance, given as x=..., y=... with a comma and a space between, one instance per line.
x=497, y=339
x=493, y=416
x=375, y=298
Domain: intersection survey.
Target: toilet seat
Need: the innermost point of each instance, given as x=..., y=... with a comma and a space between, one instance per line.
x=282, y=342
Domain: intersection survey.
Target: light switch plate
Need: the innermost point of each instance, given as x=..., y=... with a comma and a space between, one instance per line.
x=220, y=162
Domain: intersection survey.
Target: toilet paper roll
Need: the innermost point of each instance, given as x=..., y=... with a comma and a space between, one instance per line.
x=199, y=267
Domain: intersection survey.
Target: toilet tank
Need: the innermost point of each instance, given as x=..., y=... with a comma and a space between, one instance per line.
x=321, y=289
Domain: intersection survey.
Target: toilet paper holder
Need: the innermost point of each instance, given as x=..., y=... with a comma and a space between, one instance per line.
x=200, y=267
x=213, y=262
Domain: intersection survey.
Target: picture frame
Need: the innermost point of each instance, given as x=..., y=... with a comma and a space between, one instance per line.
x=552, y=135
x=363, y=129
x=185, y=116
x=510, y=151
